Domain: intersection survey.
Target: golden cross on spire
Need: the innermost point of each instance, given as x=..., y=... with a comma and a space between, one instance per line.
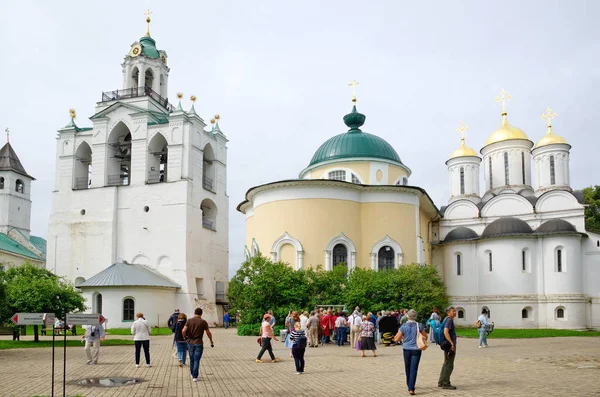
x=72, y=113
x=148, y=13
x=462, y=130
x=504, y=97
x=548, y=115
x=353, y=83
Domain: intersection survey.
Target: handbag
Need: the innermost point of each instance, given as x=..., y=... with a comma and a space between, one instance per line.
x=259, y=341
x=421, y=340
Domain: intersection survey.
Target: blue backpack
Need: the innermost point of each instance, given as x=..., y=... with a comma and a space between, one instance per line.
x=438, y=331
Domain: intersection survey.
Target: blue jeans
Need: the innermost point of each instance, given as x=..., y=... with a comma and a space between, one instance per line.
x=196, y=351
x=482, y=337
x=181, y=351
x=411, y=367
x=226, y=324
x=341, y=336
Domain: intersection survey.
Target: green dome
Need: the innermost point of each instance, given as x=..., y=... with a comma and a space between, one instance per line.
x=149, y=47
x=355, y=143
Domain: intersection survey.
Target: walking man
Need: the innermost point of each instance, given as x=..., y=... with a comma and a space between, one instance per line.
x=193, y=332
x=313, y=330
x=173, y=320
x=449, y=347
x=94, y=334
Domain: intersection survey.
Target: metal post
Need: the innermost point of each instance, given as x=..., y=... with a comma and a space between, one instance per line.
x=65, y=359
x=53, y=341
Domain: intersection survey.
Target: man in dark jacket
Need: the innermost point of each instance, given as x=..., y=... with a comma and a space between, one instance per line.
x=173, y=320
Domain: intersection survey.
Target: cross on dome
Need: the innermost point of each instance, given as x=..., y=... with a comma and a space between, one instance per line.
x=548, y=115
x=353, y=84
x=148, y=13
x=504, y=97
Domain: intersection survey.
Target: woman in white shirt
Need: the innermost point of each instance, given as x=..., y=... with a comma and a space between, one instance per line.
x=140, y=329
x=483, y=319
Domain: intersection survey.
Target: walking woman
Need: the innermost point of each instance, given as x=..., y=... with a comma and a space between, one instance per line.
x=140, y=329
x=290, y=323
x=298, y=337
x=434, y=320
x=266, y=333
x=412, y=355
x=367, y=336
x=180, y=340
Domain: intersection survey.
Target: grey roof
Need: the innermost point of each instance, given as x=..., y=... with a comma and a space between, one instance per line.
x=128, y=275
x=506, y=226
x=9, y=161
x=579, y=196
x=556, y=226
x=461, y=233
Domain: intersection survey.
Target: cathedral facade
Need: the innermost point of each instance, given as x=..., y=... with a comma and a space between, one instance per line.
x=139, y=217
x=520, y=249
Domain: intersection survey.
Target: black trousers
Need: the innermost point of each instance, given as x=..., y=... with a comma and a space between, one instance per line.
x=298, y=354
x=266, y=346
x=142, y=344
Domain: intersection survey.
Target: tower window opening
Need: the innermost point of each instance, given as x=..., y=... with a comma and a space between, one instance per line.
x=490, y=176
x=340, y=255
x=523, y=166
x=559, y=264
x=552, y=173
x=385, y=258
x=524, y=313
x=490, y=262
x=458, y=265
x=1, y=182
x=462, y=180
x=19, y=186
x=523, y=260
x=506, y=179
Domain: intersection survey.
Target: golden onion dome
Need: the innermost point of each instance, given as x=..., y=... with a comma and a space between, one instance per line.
x=550, y=138
x=463, y=151
x=506, y=132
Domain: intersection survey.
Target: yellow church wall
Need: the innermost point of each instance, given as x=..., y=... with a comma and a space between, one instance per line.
x=313, y=222
x=394, y=173
x=287, y=254
x=425, y=234
x=360, y=168
x=394, y=219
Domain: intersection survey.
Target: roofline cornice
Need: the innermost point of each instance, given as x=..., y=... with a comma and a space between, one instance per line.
x=352, y=159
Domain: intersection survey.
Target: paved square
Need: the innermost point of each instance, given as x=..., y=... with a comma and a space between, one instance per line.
x=522, y=367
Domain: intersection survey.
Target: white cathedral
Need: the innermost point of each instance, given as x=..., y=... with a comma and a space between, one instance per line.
x=139, y=216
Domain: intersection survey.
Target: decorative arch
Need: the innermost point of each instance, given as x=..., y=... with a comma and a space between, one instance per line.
x=386, y=241
x=118, y=162
x=148, y=80
x=247, y=254
x=208, y=168
x=158, y=150
x=82, y=169
x=344, y=240
x=527, y=313
x=97, y=303
x=140, y=259
x=79, y=281
x=164, y=262
x=461, y=209
x=255, y=248
x=135, y=77
x=287, y=239
x=510, y=204
x=209, y=214
x=349, y=175
x=554, y=200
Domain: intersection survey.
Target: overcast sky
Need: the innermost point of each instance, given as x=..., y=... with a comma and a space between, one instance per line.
x=278, y=75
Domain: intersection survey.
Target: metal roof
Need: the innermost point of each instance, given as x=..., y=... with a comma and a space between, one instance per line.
x=461, y=233
x=9, y=161
x=128, y=275
x=506, y=226
x=556, y=226
x=9, y=245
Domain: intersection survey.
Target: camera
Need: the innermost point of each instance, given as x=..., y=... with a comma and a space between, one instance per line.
x=93, y=333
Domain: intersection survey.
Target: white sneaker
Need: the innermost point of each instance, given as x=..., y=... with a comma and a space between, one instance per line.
x=148, y=365
x=195, y=379
x=480, y=346
x=137, y=365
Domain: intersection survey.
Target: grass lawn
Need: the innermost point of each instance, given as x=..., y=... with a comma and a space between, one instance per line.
x=127, y=331
x=500, y=333
x=14, y=344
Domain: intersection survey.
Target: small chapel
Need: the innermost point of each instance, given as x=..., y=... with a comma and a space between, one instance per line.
x=518, y=248
x=139, y=218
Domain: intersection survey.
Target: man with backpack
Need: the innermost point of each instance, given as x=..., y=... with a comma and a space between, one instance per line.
x=173, y=320
x=446, y=337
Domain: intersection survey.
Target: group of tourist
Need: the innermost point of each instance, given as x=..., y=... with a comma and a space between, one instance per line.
x=321, y=326
x=188, y=337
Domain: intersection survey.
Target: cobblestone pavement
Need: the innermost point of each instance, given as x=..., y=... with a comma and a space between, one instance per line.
x=522, y=367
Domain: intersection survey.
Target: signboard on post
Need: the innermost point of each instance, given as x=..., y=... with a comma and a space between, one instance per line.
x=49, y=319
x=28, y=318
x=80, y=319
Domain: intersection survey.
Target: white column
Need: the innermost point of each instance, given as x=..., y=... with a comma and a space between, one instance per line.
x=273, y=257
x=328, y=260
x=141, y=77
x=300, y=260
x=400, y=259
x=353, y=260
x=373, y=261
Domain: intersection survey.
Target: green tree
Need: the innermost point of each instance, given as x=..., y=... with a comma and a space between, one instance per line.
x=31, y=289
x=591, y=197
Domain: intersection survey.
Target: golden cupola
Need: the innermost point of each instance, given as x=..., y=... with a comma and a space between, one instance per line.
x=463, y=150
x=550, y=138
x=506, y=131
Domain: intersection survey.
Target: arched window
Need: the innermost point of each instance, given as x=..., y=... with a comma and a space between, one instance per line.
x=118, y=165
x=489, y=312
x=462, y=180
x=458, y=264
x=524, y=313
x=148, y=81
x=506, y=179
x=2, y=182
x=128, y=309
x=208, y=169
x=385, y=258
x=559, y=260
x=19, y=186
x=340, y=255
x=158, y=159
x=460, y=312
x=523, y=166
x=490, y=176
x=338, y=175
x=82, y=171
x=135, y=75
x=209, y=214
x=97, y=303
x=355, y=179
x=552, y=174
x=524, y=260
x=560, y=312
x=79, y=281
x=405, y=181
x=490, y=261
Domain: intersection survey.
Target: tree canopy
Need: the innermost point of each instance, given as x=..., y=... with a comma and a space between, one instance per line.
x=591, y=197
x=31, y=289
x=260, y=285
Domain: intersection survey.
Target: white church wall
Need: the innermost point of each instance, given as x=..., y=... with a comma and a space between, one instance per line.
x=557, y=200
x=570, y=279
x=506, y=205
x=461, y=209
x=464, y=284
x=157, y=304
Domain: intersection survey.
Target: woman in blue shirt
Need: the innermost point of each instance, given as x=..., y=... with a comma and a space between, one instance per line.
x=412, y=354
